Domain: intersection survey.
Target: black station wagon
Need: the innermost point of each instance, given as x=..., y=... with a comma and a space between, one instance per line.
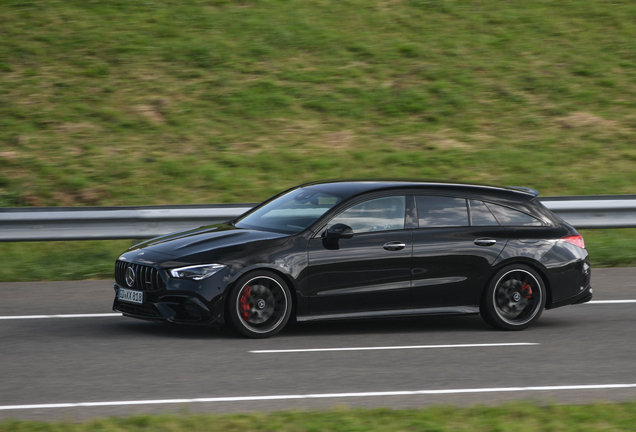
x=362, y=249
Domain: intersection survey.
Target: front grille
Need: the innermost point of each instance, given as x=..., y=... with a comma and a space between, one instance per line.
x=146, y=278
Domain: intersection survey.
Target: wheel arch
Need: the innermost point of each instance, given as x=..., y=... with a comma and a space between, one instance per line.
x=278, y=272
x=534, y=265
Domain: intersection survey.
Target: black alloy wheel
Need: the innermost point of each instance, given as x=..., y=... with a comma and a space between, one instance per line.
x=514, y=299
x=259, y=305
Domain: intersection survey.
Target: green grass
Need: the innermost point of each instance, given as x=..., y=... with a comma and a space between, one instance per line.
x=208, y=101
x=78, y=260
x=611, y=248
x=127, y=102
x=517, y=417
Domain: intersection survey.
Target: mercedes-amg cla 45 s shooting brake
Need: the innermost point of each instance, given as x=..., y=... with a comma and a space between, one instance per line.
x=362, y=249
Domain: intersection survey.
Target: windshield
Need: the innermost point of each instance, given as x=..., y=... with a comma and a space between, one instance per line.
x=290, y=213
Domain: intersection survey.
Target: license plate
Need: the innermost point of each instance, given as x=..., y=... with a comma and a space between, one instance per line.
x=131, y=296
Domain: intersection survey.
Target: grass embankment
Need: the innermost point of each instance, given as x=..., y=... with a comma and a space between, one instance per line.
x=519, y=417
x=135, y=103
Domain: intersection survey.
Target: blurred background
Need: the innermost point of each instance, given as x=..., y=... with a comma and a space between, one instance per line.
x=111, y=103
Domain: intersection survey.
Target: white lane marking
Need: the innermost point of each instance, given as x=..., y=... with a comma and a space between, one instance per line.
x=392, y=348
x=319, y=396
x=60, y=316
x=610, y=301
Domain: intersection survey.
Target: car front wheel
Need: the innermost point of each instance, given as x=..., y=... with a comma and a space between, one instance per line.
x=514, y=298
x=259, y=305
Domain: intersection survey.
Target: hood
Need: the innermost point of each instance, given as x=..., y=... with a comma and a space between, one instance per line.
x=204, y=239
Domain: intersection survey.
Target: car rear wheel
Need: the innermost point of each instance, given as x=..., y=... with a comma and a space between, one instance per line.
x=514, y=298
x=259, y=305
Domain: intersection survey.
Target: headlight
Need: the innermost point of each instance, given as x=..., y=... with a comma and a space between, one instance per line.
x=197, y=272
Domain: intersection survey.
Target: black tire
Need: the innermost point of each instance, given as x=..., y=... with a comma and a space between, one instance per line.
x=259, y=305
x=514, y=298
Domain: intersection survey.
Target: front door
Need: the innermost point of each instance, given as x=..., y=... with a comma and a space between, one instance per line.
x=370, y=271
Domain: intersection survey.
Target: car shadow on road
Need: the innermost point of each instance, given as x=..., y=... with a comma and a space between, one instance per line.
x=430, y=324
x=386, y=326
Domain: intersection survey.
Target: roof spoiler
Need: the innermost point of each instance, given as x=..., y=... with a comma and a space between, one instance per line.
x=525, y=189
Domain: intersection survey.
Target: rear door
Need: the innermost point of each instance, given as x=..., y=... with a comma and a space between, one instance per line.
x=454, y=248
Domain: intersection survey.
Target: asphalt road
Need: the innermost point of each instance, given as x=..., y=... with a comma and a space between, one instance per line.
x=50, y=366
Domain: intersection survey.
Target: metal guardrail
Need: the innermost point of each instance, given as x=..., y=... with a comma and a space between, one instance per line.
x=595, y=211
x=110, y=223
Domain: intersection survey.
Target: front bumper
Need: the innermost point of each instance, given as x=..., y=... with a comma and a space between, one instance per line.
x=181, y=307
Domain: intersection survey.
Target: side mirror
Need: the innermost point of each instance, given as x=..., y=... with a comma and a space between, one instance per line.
x=339, y=231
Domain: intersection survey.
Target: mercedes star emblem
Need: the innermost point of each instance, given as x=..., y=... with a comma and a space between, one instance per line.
x=130, y=277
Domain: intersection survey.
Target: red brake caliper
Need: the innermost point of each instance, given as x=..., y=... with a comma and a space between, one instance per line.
x=526, y=287
x=244, y=305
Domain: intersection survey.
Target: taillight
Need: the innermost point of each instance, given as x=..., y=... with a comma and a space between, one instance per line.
x=576, y=240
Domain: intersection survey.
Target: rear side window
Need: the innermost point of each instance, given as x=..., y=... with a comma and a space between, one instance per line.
x=480, y=215
x=436, y=211
x=509, y=217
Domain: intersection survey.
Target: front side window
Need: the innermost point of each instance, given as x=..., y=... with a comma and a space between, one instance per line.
x=437, y=211
x=380, y=214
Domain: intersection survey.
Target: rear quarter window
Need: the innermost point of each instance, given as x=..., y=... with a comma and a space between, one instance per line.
x=512, y=218
x=480, y=215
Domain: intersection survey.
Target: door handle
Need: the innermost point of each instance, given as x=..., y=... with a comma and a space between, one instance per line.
x=394, y=246
x=485, y=242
